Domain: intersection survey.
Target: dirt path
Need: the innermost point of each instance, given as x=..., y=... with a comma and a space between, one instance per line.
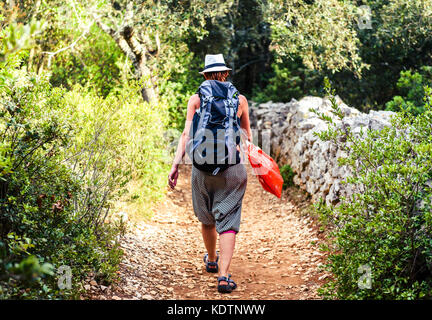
x=276, y=257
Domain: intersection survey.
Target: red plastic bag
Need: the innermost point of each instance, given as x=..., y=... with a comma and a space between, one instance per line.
x=266, y=169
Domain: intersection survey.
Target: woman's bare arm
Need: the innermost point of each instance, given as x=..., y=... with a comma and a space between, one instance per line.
x=193, y=104
x=244, y=117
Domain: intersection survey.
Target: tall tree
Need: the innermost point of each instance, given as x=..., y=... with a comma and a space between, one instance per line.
x=151, y=32
x=323, y=33
x=243, y=36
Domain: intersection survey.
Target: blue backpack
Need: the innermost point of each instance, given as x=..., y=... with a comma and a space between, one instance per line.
x=215, y=132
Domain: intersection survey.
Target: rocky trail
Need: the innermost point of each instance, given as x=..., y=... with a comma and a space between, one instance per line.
x=277, y=252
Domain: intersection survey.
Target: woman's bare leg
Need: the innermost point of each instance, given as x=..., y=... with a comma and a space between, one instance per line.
x=227, y=244
x=209, y=235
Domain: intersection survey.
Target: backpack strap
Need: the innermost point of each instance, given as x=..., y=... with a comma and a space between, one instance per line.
x=206, y=98
x=233, y=97
x=231, y=108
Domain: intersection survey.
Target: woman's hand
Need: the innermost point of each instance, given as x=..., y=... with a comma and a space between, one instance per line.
x=193, y=105
x=172, y=177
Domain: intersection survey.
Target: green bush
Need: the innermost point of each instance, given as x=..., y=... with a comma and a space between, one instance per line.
x=72, y=144
x=177, y=84
x=387, y=225
x=411, y=89
x=287, y=175
x=51, y=210
x=96, y=64
x=130, y=132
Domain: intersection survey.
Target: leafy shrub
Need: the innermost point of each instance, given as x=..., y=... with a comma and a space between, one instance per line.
x=42, y=224
x=385, y=226
x=287, y=175
x=177, y=84
x=411, y=87
x=96, y=64
x=131, y=133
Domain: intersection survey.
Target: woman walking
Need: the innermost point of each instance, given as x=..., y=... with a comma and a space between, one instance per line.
x=216, y=115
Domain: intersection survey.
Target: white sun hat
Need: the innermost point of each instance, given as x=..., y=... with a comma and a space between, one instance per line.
x=214, y=62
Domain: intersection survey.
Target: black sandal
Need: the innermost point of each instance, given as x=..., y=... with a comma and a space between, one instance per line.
x=226, y=288
x=211, y=267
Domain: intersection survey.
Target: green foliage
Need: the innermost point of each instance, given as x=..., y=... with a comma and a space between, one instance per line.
x=241, y=33
x=405, y=25
x=129, y=131
x=288, y=81
x=96, y=64
x=411, y=87
x=73, y=142
x=287, y=175
x=386, y=225
x=177, y=86
x=15, y=37
x=42, y=224
x=398, y=40
x=307, y=30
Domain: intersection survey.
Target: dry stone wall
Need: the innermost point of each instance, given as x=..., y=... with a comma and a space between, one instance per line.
x=290, y=130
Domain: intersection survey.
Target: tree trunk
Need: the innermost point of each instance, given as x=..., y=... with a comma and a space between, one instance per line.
x=140, y=63
x=138, y=54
